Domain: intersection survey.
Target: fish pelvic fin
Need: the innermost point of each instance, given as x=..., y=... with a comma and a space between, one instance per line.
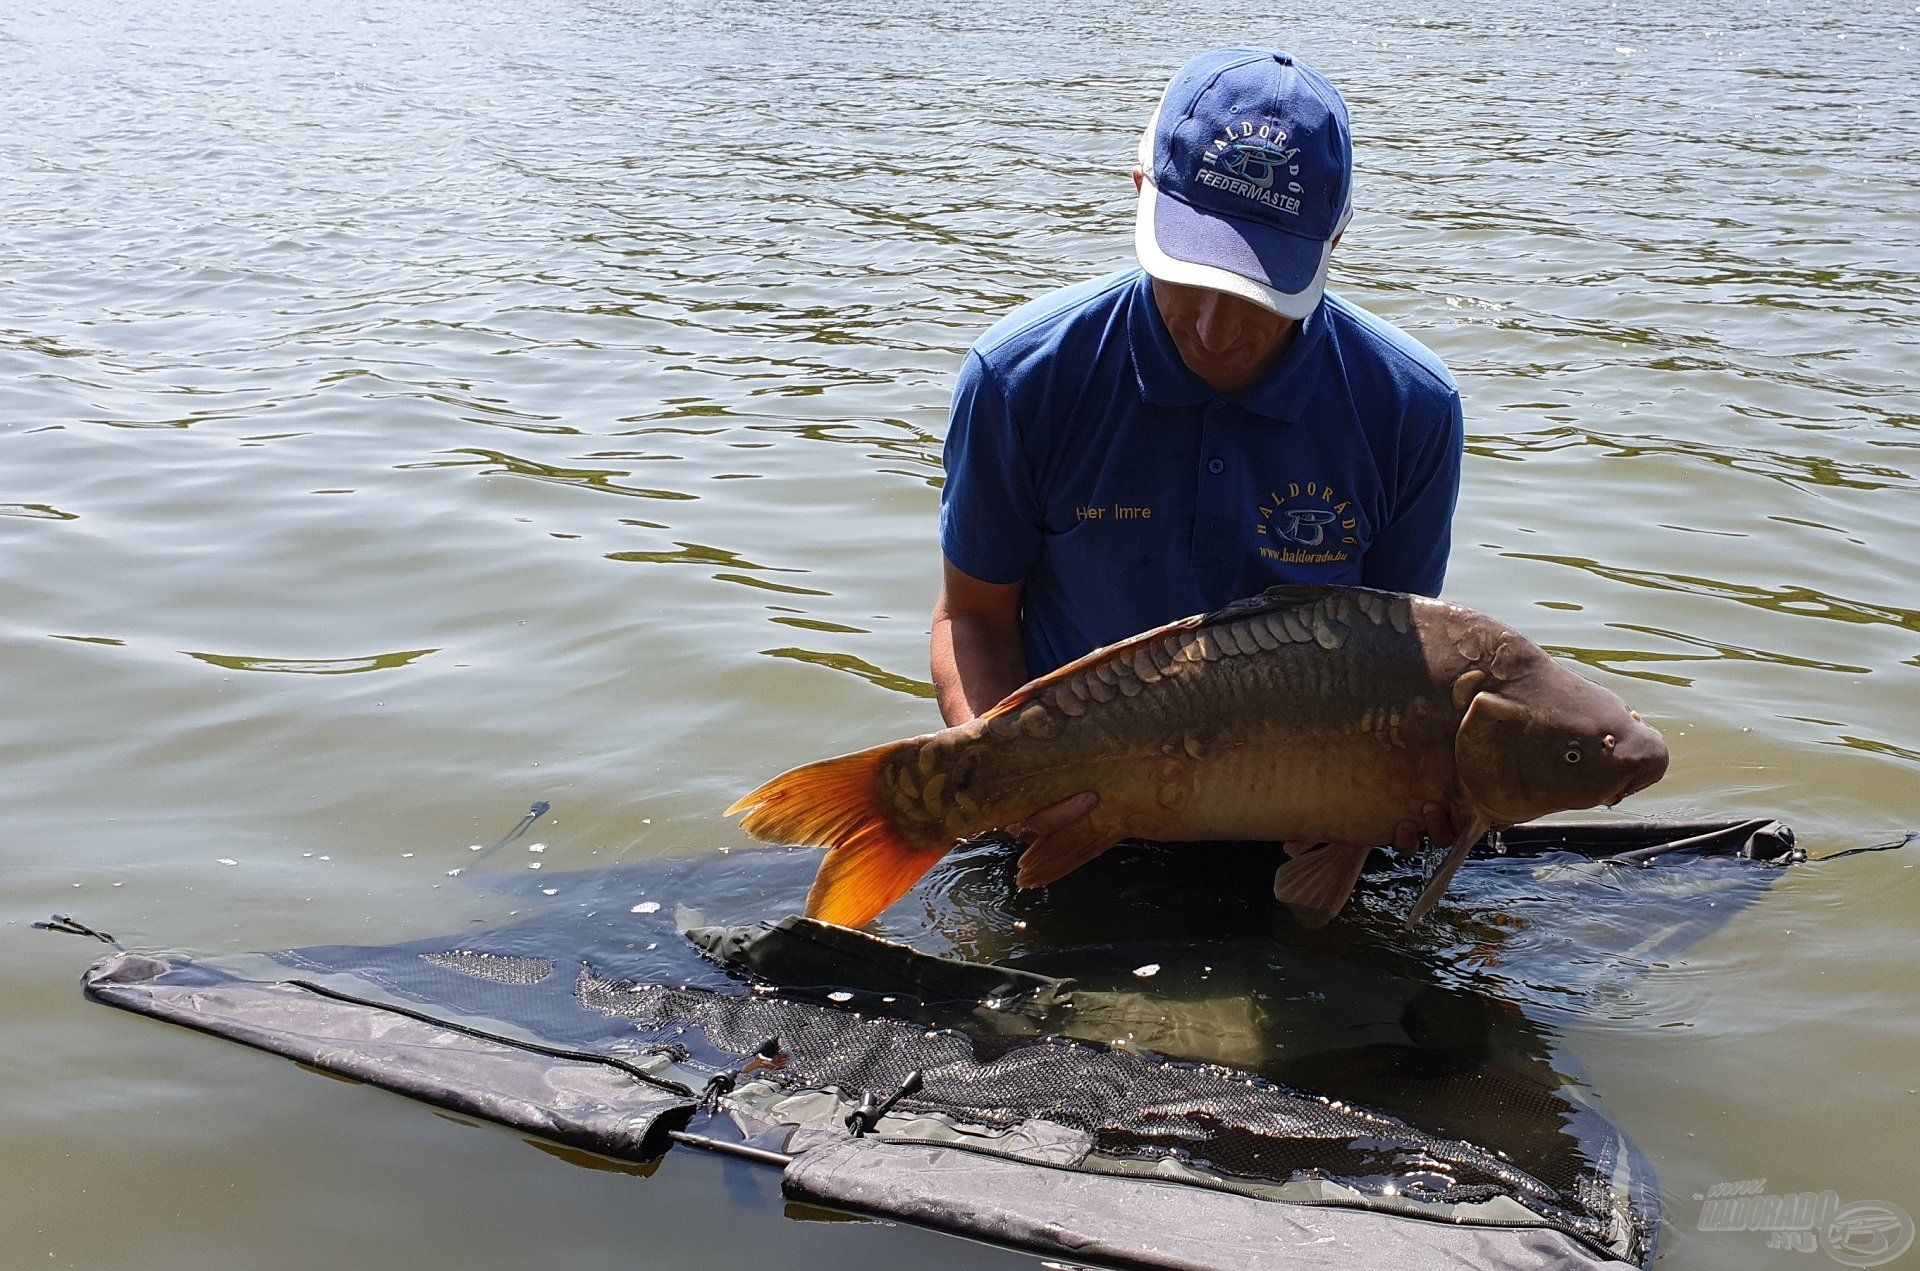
x=841, y=804
x=1057, y=853
x=1448, y=867
x=1315, y=884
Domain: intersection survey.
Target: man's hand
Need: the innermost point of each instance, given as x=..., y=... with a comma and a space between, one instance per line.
x=1055, y=816
x=1436, y=822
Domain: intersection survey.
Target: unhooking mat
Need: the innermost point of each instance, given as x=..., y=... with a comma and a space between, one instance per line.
x=1147, y=1065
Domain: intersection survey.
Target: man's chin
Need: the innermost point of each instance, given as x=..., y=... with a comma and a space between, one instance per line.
x=1227, y=380
x=1223, y=374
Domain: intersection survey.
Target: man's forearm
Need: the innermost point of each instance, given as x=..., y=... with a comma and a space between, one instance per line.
x=975, y=664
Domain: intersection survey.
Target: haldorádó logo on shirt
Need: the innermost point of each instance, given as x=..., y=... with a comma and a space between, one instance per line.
x=1248, y=159
x=1308, y=525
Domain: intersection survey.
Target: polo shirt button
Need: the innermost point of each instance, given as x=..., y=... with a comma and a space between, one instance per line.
x=1216, y=466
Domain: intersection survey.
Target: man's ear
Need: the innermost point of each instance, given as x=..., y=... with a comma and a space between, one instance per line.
x=1139, y=178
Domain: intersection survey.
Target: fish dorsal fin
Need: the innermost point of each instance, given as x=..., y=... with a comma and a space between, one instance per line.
x=1283, y=598
x=1123, y=648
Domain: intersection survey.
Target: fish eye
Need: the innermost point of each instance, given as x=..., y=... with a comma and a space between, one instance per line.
x=1573, y=752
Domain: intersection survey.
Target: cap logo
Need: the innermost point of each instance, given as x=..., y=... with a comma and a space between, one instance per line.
x=1249, y=160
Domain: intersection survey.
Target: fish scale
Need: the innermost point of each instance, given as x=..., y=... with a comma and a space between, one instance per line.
x=1216, y=674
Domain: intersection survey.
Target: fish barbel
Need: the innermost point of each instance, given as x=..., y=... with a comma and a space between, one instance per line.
x=1307, y=715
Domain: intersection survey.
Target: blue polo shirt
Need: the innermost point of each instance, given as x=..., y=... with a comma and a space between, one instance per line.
x=1084, y=458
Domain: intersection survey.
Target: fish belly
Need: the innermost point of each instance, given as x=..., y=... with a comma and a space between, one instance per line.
x=1312, y=789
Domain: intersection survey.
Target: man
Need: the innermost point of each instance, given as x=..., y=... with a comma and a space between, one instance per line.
x=1162, y=441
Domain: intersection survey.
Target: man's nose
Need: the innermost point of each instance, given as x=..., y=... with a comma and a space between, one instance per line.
x=1215, y=325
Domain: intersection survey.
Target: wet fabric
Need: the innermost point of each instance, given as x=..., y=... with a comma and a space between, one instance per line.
x=1409, y=1082
x=1145, y=1223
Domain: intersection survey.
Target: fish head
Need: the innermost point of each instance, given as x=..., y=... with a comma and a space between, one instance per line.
x=1546, y=740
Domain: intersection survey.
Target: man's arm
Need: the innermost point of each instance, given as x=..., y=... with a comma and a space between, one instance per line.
x=978, y=657
x=989, y=516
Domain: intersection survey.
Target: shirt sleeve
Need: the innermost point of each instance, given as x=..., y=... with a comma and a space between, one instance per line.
x=989, y=511
x=1410, y=552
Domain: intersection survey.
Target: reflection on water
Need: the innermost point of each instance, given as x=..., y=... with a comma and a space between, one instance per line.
x=36, y=511
x=1788, y=469
x=1805, y=602
x=1634, y=663
x=312, y=666
x=858, y=667
x=696, y=554
x=494, y=463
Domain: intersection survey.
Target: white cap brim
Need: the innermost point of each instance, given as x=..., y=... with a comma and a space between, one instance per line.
x=1297, y=304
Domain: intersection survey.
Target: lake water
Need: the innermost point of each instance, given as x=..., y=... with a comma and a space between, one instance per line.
x=409, y=411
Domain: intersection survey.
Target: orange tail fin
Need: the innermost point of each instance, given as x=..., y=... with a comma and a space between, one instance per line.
x=838, y=803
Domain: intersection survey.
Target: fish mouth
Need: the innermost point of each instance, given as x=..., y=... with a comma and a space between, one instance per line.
x=1634, y=785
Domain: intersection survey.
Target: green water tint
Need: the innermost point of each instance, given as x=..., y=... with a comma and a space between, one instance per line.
x=1636, y=663
x=1804, y=602
x=36, y=512
x=313, y=666
x=859, y=667
x=598, y=479
x=1797, y=471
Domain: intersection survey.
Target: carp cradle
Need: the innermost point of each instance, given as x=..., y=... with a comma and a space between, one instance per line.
x=987, y=1097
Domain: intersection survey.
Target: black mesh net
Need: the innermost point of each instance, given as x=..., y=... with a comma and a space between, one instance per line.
x=1133, y=1105
x=1177, y=1019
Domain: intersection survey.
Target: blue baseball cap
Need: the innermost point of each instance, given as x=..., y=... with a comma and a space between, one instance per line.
x=1248, y=179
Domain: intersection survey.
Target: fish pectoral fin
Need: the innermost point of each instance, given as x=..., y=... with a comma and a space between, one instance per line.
x=1057, y=853
x=1315, y=884
x=1444, y=875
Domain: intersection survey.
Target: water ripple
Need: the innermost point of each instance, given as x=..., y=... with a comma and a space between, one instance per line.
x=1632, y=662
x=36, y=512
x=498, y=463
x=859, y=667
x=1805, y=602
x=312, y=666
x=1798, y=471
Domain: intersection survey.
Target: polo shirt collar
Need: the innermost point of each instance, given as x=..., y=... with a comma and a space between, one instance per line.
x=1166, y=381
x=1164, y=378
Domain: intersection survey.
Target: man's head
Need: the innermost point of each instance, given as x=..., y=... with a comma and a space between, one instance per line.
x=1245, y=180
